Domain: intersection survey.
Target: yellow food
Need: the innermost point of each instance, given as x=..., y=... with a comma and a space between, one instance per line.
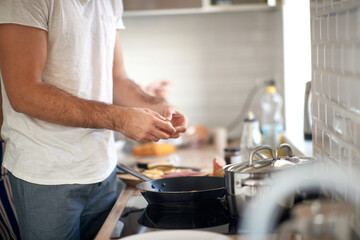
x=153, y=149
x=157, y=173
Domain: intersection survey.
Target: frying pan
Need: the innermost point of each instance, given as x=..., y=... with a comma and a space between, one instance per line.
x=179, y=190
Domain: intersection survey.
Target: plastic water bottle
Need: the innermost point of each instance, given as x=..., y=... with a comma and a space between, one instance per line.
x=271, y=120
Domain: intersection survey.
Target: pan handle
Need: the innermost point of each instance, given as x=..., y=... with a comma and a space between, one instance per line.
x=133, y=172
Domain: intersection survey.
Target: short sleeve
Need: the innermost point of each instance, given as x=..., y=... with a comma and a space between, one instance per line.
x=119, y=11
x=34, y=13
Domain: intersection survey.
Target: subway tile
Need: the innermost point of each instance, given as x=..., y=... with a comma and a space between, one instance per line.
x=326, y=143
x=329, y=55
x=349, y=129
x=343, y=26
x=335, y=147
x=332, y=27
x=334, y=88
x=314, y=56
x=320, y=7
x=318, y=135
x=338, y=58
x=327, y=5
x=313, y=4
x=315, y=107
x=344, y=154
x=349, y=59
x=325, y=88
x=324, y=28
x=357, y=133
x=316, y=83
x=321, y=56
x=337, y=5
x=339, y=124
x=352, y=21
x=322, y=111
x=347, y=4
x=357, y=23
x=357, y=59
x=312, y=28
x=344, y=97
x=316, y=29
x=330, y=117
x=353, y=95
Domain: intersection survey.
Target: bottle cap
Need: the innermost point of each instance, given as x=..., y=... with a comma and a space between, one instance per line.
x=271, y=89
x=250, y=117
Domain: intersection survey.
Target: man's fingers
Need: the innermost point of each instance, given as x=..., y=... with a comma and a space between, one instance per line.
x=153, y=138
x=180, y=129
x=168, y=113
x=165, y=125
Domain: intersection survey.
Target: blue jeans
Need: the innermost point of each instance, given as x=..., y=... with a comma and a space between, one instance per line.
x=64, y=212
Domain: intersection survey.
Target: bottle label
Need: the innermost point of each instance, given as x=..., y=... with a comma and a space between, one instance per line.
x=235, y=159
x=273, y=134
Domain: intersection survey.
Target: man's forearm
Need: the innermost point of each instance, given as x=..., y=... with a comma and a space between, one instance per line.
x=128, y=93
x=54, y=105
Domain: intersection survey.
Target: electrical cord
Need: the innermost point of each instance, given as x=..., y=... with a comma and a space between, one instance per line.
x=245, y=108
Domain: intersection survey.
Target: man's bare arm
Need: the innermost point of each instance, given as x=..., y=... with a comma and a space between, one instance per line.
x=23, y=52
x=128, y=93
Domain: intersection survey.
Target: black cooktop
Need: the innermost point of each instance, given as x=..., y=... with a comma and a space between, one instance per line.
x=139, y=217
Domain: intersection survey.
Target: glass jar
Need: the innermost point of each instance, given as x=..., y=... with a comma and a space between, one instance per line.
x=232, y=155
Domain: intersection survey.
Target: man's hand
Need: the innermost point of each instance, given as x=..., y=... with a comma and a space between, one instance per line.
x=160, y=89
x=144, y=125
x=177, y=119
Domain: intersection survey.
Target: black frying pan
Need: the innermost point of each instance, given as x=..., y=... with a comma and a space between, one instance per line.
x=179, y=190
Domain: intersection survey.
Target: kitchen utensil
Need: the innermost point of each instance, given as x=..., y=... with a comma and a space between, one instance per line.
x=179, y=190
x=251, y=179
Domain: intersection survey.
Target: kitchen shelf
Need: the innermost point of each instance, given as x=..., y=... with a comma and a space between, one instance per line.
x=205, y=8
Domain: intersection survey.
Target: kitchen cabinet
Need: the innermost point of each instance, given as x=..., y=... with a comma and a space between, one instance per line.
x=170, y=7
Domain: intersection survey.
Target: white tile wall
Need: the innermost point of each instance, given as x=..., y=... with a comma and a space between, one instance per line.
x=336, y=83
x=213, y=59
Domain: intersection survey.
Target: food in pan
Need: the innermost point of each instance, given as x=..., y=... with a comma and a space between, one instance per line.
x=161, y=172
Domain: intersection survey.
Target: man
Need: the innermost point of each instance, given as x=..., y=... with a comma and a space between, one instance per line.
x=64, y=90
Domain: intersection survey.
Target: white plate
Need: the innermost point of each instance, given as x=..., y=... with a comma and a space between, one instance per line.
x=178, y=235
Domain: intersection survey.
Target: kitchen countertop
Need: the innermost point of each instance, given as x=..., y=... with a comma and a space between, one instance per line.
x=200, y=157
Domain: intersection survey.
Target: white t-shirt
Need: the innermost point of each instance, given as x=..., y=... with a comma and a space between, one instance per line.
x=81, y=40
